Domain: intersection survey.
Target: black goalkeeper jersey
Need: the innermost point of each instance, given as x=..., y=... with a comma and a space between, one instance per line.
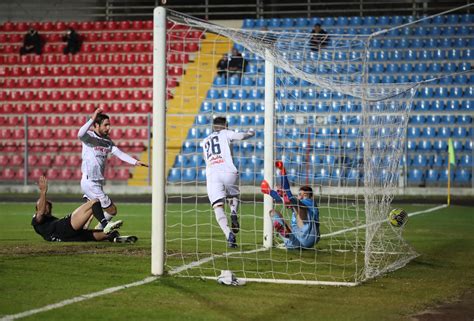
x=46, y=228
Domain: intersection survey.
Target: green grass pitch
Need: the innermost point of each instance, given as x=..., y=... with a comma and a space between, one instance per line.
x=35, y=273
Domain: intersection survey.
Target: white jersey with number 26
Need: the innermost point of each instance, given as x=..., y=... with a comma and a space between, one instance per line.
x=217, y=153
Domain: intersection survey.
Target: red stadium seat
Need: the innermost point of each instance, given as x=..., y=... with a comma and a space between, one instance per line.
x=59, y=160
x=51, y=146
x=36, y=173
x=32, y=160
x=8, y=174
x=144, y=108
x=74, y=160
x=16, y=160
x=36, y=147
x=45, y=160
x=128, y=108
x=77, y=174
x=65, y=174
x=62, y=108
x=52, y=174
x=4, y=160
x=122, y=174
x=19, y=134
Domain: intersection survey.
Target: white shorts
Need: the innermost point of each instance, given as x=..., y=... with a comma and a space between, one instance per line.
x=221, y=184
x=94, y=190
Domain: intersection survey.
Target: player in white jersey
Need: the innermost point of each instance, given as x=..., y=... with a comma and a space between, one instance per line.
x=96, y=146
x=222, y=176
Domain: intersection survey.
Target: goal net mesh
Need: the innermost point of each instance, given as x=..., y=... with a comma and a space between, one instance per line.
x=333, y=128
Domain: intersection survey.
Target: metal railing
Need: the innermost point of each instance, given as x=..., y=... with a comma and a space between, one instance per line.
x=31, y=10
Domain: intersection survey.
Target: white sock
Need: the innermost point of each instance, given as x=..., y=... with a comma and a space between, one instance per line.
x=234, y=205
x=108, y=217
x=222, y=220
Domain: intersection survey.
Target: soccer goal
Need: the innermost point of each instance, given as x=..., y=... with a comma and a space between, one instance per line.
x=318, y=110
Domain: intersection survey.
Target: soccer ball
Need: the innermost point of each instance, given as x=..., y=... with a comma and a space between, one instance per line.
x=398, y=217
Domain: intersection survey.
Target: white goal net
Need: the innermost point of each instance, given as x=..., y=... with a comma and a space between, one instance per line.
x=334, y=129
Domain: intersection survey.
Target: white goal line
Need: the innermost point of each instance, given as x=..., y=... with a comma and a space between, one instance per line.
x=177, y=270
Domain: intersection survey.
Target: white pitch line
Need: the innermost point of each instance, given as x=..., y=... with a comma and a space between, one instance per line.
x=373, y=223
x=153, y=278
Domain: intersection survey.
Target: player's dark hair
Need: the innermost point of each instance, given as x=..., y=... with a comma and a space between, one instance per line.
x=99, y=119
x=219, y=123
x=307, y=189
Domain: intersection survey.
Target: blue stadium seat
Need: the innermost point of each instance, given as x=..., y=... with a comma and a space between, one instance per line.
x=450, y=67
x=440, y=92
x=467, y=105
x=248, y=81
x=464, y=119
x=466, y=161
x=438, y=105
x=428, y=132
x=255, y=94
x=240, y=94
x=414, y=132
x=435, y=67
x=252, y=69
x=246, y=120
x=432, y=176
x=421, y=67
x=415, y=176
x=462, y=176
x=419, y=160
x=433, y=119
x=422, y=105
x=443, y=176
x=452, y=105
x=206, y=106
x=468, y=92
x=444, y=132
x=437, y=160
x=193, y=133
x=460, y=79
x=260, y=23
x=174, y=175
x=234, y=81
x=417, y=43
x=448, y=119
x=248, y=24
x=233, y=120
x=220, y=107
x=219, y=81
x=425, y=145
x=195, y=160
x=455, y=92
x=440, y=145
x=458, y=145
x=189, y=147
x=213, y=93
x=273, y=23
x=226, y=93
x=417, y=119
x=189, y=174
x=459, y=132
x=235, y=107
x=201, y=120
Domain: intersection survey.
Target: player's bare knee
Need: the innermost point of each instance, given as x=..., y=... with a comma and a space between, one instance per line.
x=112, y=210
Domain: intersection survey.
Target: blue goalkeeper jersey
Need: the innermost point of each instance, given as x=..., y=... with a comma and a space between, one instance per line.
x=308, y=235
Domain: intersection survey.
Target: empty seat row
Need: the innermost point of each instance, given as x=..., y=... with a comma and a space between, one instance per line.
x=60, y=174
x=75, y=108
x=61, y=59
x=84, y=70
x=437, y=160
x=141, y=94
x=433, y=176
x=426, y=145
x=430, y=132
x=354, y=21
x=438, y=119
x=76, y=82
x=10, y=26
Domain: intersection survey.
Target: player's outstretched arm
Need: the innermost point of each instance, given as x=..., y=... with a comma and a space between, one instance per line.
x=41, y=203
x=265, y=187
x=243, y=136
x=127, y=158
x=285, y=183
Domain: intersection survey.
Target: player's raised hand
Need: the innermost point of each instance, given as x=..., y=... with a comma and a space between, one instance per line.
x=97, y=112
x=139, y=163
x=43, y=184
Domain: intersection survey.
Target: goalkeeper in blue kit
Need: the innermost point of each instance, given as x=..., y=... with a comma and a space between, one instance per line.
x=304, y=229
